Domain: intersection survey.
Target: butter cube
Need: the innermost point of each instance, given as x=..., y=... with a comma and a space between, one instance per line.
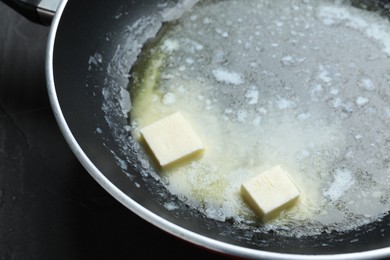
x=270, y=193
x=172, y=139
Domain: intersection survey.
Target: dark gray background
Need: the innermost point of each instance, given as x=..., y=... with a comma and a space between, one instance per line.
x=50, y=207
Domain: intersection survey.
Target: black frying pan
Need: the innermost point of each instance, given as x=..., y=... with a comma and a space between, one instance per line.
x=87, y=65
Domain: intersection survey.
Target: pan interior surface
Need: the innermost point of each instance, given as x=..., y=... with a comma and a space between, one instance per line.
x=92, y=59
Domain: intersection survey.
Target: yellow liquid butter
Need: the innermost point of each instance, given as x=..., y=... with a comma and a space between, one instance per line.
x=265, y=84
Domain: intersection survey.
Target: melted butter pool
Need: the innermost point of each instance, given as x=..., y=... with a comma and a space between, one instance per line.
x=302, y=85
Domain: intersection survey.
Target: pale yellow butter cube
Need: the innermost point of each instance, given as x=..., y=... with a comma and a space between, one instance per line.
x=172, y=139
x=270, y=193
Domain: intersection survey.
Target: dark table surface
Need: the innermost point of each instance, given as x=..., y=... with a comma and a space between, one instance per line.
x=50, y=207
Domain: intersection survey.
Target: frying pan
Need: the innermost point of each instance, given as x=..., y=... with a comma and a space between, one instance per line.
x=91, y=49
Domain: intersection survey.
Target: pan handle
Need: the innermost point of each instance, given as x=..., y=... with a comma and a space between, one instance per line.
x=38, y=11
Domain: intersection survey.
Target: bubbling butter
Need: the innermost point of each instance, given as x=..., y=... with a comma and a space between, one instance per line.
x=299, y=85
